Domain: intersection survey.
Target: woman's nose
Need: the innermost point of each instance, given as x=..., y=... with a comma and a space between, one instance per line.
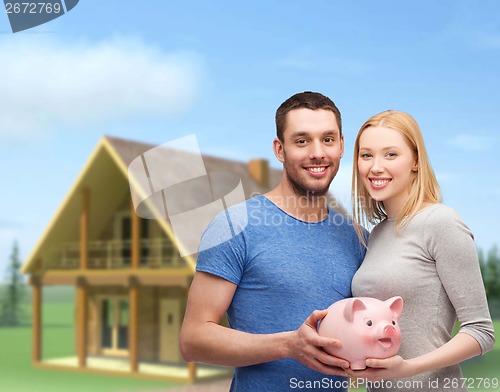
x=377, y=166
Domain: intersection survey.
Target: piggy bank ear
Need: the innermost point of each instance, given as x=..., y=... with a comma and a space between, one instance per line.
x=396, y=305
x=353, y=305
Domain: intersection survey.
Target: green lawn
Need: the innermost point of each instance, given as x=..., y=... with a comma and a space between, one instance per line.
x=18, y=375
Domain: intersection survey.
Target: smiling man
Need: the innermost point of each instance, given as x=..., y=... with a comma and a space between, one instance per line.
x=293, y=254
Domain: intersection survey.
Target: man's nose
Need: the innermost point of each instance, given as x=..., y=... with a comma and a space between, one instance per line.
x=317, y=150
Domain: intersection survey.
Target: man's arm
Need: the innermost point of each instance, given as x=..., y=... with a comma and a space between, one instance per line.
x=202, y=339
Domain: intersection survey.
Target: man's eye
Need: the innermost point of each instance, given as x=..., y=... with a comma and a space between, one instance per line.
x=301, y=141
x=329, y=139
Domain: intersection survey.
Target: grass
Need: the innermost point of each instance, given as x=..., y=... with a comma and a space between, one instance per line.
x=488, y=366
x=17, y=373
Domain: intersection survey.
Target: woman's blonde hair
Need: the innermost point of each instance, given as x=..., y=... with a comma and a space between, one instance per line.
x=424, y=187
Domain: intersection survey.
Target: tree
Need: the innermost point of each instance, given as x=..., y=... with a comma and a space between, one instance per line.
x=10, y=312
x=490, y=268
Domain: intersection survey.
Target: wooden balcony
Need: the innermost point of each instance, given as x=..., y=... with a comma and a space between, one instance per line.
x=115, y=254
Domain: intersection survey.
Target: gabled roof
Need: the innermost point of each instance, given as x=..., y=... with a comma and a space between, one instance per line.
x=106, y=174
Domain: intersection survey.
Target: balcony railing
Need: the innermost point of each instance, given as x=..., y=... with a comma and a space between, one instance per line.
x=115, y=254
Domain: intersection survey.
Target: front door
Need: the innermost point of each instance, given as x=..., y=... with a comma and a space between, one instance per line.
x=114, y=326
x=170, y=324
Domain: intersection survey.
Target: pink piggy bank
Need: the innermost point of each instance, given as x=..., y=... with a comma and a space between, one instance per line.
x=367, y=328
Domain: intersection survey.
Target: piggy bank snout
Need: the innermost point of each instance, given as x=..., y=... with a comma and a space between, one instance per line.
x=390, y=330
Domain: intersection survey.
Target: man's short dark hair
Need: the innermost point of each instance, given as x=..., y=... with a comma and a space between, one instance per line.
x=307, y=100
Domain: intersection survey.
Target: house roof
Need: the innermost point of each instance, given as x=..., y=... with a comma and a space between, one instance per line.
x=106, y=174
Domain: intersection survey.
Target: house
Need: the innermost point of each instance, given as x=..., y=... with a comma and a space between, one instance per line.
x=130, y=279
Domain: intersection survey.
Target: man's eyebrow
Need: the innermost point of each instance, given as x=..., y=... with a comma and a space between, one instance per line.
x=324, y=133
x=299, y=133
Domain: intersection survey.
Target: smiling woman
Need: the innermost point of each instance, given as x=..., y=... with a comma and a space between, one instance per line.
x=387, y=167
x=420, y=250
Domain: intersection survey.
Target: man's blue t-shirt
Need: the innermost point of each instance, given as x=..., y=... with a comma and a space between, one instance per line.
x=284, y=268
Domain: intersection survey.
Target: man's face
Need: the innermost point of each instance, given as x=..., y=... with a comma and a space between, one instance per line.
x=311, y=150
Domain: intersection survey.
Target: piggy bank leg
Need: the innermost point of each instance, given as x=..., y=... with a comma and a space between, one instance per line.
x=358, y=364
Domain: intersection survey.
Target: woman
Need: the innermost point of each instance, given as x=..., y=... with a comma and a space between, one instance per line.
x=420, y=250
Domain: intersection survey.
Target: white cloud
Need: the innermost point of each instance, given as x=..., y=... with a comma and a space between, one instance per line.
x=48, y=84
x=471, y=142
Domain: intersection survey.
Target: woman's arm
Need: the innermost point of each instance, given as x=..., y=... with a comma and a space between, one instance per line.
x=450, y=244
x=460, y=348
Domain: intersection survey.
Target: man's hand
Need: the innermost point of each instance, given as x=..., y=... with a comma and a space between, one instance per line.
x=306, y=346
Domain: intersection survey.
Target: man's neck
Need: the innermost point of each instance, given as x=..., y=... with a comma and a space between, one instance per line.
x=308, y=207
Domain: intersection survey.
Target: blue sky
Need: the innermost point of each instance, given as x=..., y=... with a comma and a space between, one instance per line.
x=157, y=70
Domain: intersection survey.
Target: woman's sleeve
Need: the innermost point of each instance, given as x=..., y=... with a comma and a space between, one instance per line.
x=451, y=244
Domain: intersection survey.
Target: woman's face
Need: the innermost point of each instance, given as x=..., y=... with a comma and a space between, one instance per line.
x=386, y=167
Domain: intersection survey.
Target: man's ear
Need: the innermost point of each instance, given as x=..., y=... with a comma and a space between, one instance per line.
x=278, y=149
x=342, y=146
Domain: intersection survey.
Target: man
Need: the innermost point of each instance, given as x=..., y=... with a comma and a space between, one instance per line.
x=292, y=255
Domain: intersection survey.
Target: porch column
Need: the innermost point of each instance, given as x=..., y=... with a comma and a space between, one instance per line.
x=37, y=319
x=84, y=228
x=192, y=371
x=81, y=321
x=134, y=325
x=136, y=238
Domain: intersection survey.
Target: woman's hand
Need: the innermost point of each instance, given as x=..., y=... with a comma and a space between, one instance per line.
x=384, y=369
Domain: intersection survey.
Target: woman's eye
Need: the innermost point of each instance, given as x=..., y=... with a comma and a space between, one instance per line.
x=392, y=154
x=364, y=156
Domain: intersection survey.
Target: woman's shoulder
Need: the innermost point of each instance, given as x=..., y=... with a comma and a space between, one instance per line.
x=438, y=216
x=437, y=212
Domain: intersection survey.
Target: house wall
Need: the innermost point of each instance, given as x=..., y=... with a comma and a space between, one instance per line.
x=149, y=333
x=108, y=232
x=148, y=324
